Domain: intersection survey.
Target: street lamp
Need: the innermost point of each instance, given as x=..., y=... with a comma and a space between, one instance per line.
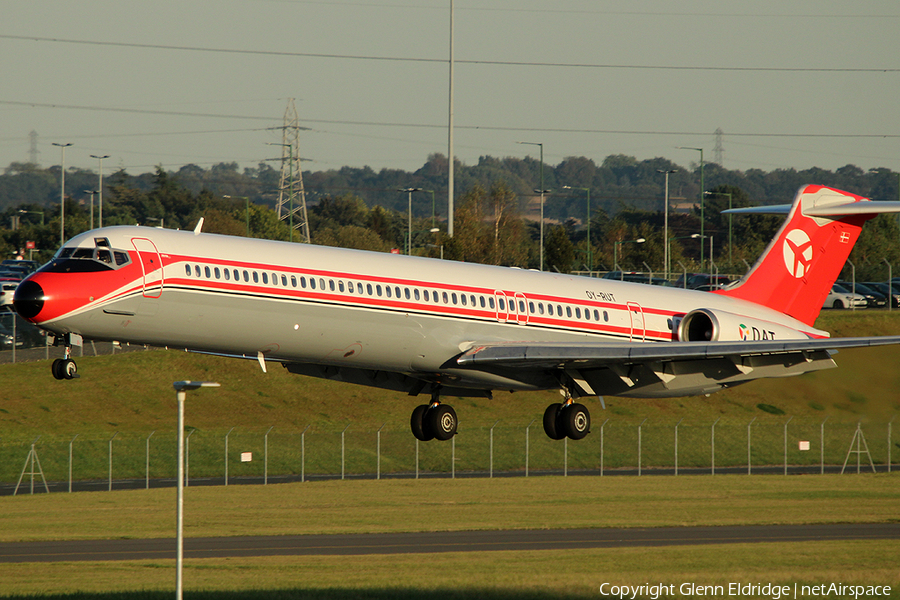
x=542, y=191
x=730, y=245
x=700, y=150
x=62, y=194
x=666, y=220
x=615, y=253
x=409, y=191
x=248, y=208
x=100, y=184
x=91, y=192
x=34, y=212
x=181, y=389
x=590, y=257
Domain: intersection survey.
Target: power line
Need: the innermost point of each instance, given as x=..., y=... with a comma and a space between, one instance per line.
x=458, y=61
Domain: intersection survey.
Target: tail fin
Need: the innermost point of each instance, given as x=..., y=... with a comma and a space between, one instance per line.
x=797, y=270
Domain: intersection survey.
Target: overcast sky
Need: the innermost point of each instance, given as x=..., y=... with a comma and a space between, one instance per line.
x=171, y=82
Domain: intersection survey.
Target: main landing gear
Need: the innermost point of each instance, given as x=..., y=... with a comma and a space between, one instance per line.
x=567, y=419
x=65, y=368
x=434, y=421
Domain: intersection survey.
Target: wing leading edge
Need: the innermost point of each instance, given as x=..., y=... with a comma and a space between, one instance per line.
x=658, y=370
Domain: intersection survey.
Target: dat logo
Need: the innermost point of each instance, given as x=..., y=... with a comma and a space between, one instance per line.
x=798, y=252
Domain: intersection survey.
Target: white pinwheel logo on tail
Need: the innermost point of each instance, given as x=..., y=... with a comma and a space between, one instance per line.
x=798, y=253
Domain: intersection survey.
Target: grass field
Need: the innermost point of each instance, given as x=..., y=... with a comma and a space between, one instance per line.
x=132, y=394
x=427, y=505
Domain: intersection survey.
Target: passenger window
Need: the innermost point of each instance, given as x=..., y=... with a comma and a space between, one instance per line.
x=359, y=288
x=237, y=275
x=284, y=280
x=531, y=307
x=596, y=315
x=397, y=291
x=445, y=297
x=577, y=312
x=550, y=309
x=481, y=301
x=491, y=302
x=218, y=273
x=369, y=288
x=227, y=275
x=197, y=270
x=378, y=290
x=416, y=294
x=293, y=281
x=321, y=284
x=265, y=277
x=207, y=272
x=569, y=311
x=387, y=290
x=255, y=277
x=559, y=310
x=312, y=282
x=541, y=307
x=605, y=316
x=331, y=284
x=502, y=303
x=406, y=292
x=521, y=307
x=246, y=277
x=452, y=297
x=187, y=270
x=462, y=297
x=340, y=286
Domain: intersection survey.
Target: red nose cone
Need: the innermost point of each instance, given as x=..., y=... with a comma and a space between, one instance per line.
x=29, y=299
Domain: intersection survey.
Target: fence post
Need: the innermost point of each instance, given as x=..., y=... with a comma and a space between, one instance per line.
x=342, y=450
x=226, y=455
x=70, y=461
x=417, y=458
x=785, y=444
x=303, y=455
x=378, y=450
x=110, y=459
x=890, y=423
x=147, y=477
x=601, y=445
x=713, y=445
x=453, y=458
x=565, y=456
x=676, y=444
x=266, y=456
x=527, y=444
x=492, y=448
x=639, y=446
x=822, y=447
x=749, y=462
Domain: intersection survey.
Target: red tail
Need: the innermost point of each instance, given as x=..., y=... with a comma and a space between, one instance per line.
x=797, y=270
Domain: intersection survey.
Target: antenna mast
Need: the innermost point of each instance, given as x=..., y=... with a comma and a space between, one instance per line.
x=291, y=194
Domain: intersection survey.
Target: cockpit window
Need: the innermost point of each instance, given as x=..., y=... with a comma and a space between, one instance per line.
x=81, y=259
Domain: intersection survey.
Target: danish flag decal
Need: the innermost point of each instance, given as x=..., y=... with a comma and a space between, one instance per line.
x=798, y=253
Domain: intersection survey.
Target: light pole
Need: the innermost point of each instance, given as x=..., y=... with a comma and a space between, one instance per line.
x=615, y=253
x=100, y=185
x=590, y=256
x=700, y=150
x=34, y=212
x=62, y=194
x=181, y=388
x=542, y=191
x=248, y=208
x=666, y=220
x=92, y=193
x=668, y=252
x=730, y=245
x=409, y=191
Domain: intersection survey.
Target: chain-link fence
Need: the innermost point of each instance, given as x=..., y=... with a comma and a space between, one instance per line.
x=242, y=455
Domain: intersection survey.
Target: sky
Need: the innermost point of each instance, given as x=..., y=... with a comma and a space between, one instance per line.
x=791, y=83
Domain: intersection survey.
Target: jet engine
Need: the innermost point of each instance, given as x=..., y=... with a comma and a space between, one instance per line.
x=707, y=325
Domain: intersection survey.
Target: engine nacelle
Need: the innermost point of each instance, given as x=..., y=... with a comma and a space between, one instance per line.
x=707, y=325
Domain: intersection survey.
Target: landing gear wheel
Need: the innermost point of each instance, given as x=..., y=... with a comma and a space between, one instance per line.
x=418, y=424
x=550, y=422
x=574, y=420
x=57, y=372
x=441, y=421
x=68, y=368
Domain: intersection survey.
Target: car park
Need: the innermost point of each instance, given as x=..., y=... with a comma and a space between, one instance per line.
x=893, y=291
x=7, y=289
x=874, y=298
x=841, y=297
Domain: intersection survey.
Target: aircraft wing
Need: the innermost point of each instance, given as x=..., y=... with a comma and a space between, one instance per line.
x=642, y=369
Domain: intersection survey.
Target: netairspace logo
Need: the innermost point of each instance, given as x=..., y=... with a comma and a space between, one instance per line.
x=769, y=590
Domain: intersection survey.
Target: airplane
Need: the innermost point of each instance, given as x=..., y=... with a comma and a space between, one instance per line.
x=424, y=326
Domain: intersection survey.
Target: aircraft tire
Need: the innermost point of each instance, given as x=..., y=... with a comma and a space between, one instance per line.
x=574, y=421
x=418, y=424
x=442, y=421
x=68, y=368
x=551, y=420
x=57, y=372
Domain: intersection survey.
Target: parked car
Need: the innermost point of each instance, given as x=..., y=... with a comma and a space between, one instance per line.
x=841, y=297
x=7, y=289
x=893, y=291
x=874, y=298
x=635, y=277
x=696, y=280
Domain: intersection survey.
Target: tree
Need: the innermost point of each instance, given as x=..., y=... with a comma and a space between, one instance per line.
x=559, y=253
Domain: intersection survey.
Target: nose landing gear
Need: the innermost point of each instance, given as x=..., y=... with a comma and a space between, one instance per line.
x=65, y=368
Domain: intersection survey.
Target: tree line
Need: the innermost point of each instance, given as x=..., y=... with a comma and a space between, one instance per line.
x=619, y=202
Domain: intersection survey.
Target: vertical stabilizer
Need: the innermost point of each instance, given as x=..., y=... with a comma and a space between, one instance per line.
x=797, y=270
